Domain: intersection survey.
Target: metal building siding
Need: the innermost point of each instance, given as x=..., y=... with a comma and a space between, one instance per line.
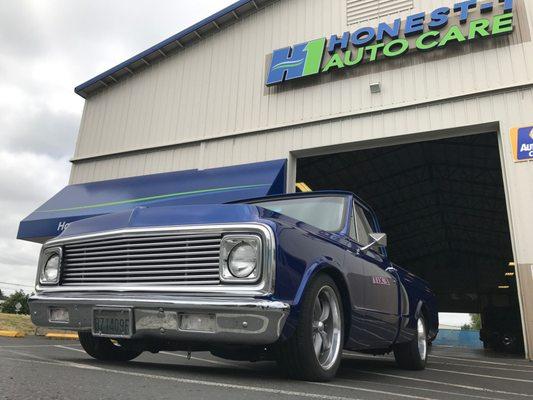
x=349, y=131
x=140, y=163
x=216, y=87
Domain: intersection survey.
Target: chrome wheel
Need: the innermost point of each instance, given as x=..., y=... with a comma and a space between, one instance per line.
x=422, y=339
x=507, y=340
x=326, y=327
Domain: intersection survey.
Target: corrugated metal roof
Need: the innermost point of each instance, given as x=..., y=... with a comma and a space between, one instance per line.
x=186, y=37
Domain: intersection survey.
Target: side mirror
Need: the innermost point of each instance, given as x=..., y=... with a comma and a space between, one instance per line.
x=376, y=238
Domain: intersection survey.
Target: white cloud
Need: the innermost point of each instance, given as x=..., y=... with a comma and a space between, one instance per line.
x=454, y=319
x=27, y=180
x=46, y=49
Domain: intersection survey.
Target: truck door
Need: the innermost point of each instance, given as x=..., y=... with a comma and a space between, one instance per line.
x=381, y=286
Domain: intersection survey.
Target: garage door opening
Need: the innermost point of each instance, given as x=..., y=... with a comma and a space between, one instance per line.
x=442, y=204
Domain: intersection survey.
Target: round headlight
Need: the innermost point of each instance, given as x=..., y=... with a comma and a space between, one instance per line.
x=51, y=269
x=242, y=260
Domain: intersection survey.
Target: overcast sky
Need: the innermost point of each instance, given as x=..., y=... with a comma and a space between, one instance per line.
x=47, y=47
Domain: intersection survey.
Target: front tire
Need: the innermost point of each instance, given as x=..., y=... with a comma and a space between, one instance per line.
x=413, y=355
x=104, y=349
x=314, y=351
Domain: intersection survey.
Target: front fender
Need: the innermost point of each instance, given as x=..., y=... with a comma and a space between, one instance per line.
x=322, y=264
x=315, y=268
x=302, y=251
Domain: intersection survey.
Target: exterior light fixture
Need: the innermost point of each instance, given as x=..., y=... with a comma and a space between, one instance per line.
x=509, y=274
x=503, y=287
x=512, y=264
x=375, y=87
x=240, y=258
x=50, y=265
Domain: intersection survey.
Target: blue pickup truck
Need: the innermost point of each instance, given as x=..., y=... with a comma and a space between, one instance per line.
x=293, y=278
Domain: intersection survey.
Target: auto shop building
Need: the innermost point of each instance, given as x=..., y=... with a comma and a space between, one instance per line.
x=422, y=108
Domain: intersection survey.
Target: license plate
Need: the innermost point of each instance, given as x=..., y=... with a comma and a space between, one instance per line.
x=113, y=322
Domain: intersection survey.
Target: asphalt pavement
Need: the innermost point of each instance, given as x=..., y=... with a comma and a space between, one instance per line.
x=38, y=368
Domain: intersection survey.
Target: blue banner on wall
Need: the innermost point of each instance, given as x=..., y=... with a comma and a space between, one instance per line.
x=522, y=143
x=210, y=186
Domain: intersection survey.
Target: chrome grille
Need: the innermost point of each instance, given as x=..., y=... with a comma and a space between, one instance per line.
x=149, y=259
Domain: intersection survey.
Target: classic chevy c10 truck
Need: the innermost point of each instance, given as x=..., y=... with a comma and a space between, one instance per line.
x=294, y=278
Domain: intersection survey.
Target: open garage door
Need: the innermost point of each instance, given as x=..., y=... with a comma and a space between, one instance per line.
x=442, y=204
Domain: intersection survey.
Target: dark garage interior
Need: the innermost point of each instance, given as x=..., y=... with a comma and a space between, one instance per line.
x=442, y=204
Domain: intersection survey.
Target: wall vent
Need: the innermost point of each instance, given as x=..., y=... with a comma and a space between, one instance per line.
x=363, y=10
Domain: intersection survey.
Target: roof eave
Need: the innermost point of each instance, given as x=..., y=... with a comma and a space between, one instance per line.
x=178, y=41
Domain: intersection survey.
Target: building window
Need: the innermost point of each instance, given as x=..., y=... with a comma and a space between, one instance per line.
x=362, y=10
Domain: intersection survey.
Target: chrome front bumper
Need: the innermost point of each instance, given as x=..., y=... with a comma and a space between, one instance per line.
x=156, y=316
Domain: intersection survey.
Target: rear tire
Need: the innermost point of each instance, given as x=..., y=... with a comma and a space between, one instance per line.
x=104, y=349
x=413, y=355
x=314, y=351
x=509, y=343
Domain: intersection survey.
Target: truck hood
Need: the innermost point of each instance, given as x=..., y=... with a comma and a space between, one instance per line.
x=165, y=216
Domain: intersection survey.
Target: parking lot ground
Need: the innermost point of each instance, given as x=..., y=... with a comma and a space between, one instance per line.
x=43, y=369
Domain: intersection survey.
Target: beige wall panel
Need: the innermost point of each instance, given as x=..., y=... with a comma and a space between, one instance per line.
x=216, y=87
x=176, y=159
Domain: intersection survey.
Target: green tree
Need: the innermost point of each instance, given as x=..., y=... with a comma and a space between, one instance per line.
x=466, y=327
x=2, y=295
x=475, y=321
x=10, y=305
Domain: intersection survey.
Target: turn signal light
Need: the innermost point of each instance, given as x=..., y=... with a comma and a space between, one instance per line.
x=59, y=314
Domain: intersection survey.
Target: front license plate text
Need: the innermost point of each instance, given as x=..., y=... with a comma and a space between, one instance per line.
x=112, y=322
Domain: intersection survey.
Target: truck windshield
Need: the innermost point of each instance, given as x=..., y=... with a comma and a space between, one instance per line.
x=326, y=213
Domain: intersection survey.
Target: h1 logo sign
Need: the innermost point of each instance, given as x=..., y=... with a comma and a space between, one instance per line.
x=522, y=143
x=420, y=31
x=300, y=60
